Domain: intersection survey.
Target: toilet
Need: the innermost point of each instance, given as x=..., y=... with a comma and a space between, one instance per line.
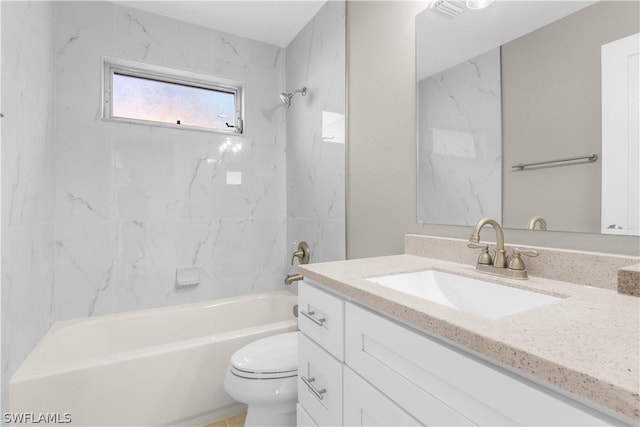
x=263, y=375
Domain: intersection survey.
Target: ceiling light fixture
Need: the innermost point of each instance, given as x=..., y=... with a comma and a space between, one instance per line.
x=478, y=4
x=454, y=8
x=448, y=8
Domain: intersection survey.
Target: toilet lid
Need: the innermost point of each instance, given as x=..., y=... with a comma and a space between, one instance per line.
x=272, y=357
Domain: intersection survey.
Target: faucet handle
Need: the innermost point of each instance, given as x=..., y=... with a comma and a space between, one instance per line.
x=516, y=262
x=528, y=252
x=484, y=257
x=303, y=253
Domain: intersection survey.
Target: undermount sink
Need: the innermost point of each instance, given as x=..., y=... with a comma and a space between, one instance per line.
x=485, y=299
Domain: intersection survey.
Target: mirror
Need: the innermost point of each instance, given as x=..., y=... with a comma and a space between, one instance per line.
x=523, y=82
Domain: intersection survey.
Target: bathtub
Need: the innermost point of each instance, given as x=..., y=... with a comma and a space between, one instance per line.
x=155, y=367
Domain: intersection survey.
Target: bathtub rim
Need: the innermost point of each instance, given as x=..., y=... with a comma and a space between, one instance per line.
x=27, y=373
x=174, y=307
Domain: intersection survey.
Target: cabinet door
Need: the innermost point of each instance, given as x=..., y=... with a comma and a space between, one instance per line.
x=366, y=406
x=321, y=318
x=391, y=358
x=436, y=382
x=319, y=383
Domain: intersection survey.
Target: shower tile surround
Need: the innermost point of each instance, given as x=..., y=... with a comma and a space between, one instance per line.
x=27, y=180
x=316, y=166
x=135, y=202
x=594, y=356
x=127, y=204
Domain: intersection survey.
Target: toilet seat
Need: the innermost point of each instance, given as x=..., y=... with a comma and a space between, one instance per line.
x=268, y=358
x=263, y=375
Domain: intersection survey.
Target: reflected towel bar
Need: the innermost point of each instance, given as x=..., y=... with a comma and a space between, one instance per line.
x=590, y=158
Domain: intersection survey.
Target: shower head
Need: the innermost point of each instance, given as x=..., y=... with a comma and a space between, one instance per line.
x=285, y=98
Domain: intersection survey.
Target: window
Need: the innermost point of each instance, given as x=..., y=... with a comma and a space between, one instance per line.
x=141, y=93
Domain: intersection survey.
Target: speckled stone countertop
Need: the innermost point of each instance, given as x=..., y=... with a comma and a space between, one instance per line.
x=588, y=343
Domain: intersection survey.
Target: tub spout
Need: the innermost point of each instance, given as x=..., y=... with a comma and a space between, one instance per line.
x=292, y=278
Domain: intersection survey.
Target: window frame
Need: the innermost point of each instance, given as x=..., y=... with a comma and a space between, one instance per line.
x=111, y=66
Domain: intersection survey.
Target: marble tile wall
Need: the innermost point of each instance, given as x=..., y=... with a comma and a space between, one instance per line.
x=97, y=215
x=134, y=202
x=460, y=148
x=27, y=180
x=315, y=147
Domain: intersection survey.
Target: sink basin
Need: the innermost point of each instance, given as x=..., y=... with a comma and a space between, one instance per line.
x=485, y=299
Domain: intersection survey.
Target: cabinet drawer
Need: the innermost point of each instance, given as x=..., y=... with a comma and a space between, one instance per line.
x=303, y=419
x=319, y=383
x=321, y=317
x=366, y=406
x=428, y=378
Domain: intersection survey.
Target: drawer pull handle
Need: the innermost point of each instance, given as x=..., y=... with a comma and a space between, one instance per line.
x=317, y=393
x=309, y=315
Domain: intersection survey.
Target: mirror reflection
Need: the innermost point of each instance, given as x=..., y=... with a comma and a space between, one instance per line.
x=529, y=83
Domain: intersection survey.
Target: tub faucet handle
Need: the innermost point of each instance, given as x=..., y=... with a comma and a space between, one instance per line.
x=303, y=253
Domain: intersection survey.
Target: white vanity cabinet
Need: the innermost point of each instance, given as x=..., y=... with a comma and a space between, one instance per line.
x=303, y=419
x=319, y=383
x=364, y=405
x=321, y=318
x=320, y=357
x=390, y=374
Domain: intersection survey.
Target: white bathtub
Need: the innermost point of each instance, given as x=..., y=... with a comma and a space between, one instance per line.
x=154, y=367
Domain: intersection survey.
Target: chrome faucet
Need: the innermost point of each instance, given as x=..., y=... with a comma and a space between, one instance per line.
x=498, y=265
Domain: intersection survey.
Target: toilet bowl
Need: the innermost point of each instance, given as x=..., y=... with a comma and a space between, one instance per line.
x=263, y=375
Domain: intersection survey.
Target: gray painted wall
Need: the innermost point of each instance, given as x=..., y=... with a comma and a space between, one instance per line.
x=381, y=185
x=381, y=188
x=551, y=83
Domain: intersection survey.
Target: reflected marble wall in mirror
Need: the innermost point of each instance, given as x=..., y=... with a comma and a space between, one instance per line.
x=460, y=142
x=555, y=103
